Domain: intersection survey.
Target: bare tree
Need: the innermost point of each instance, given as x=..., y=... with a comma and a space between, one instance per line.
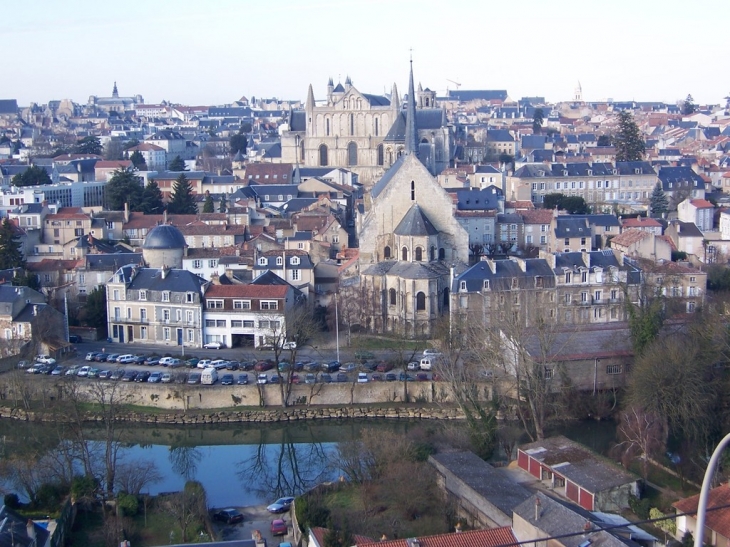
x=643, y=435
x=188, y=506
x=132, y=477
x=184, y=460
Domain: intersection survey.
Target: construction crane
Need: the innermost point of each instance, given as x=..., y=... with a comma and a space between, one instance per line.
x=457, y=84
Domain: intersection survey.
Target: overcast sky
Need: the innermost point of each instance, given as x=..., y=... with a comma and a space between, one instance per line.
x=207, y=52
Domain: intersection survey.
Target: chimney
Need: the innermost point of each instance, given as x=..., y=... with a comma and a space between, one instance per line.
x=492, y=265
x=35, y=309
x=538, y=508
x=126, y=211
x=163, y=272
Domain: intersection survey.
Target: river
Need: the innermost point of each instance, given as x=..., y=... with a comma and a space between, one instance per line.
x=247, y=464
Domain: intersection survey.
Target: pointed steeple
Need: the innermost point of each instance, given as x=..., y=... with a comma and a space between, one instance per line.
x=411, y=130
x=309, y=106
x=115, y=93
x=395, y=98
x=297, y=177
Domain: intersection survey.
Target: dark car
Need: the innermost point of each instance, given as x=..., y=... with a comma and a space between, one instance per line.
x=246, y=365
x=275, y=379
x=282, y=505
x=129, y=376
x=284, y=366
x=229, y=516
x=390, y=377
x=117, y=374
x=403, y=377
x=384, y=367
x=242, y=379
x=232, y=365
x=368, y=366
x=152, y=361
x=376, y=377
x=312, y=366
x=100, y=357
x=298, y=366
x=332, y=366
x=342, y=377
x=194, y=378
x=422, y=377
x=139, y=360
x=74, y=339
x=325, y=378
x=227, y=380
x=263, y=366
x=279, y=527
x=142, y=376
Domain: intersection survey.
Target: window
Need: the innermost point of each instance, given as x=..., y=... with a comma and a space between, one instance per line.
x=567, y=277
x=143, y=295
x=386, y=252
x=296, y=275
x=597, y=296
x=214, y=304
x=165, y=315
x=143, y=315
x=567, y=241
x=442, y=254
x=241, y=304
x=584, y=297
x=613, y=369
x=248, y=324
x=543, y=240
x=191, y=335
x=143, y=333
x=323, y=155
x=597, y=313
x=413, y=190
x=165, y=296
x=377, y=128
x=116, y=294
x=692, y=279
x=78, y=232
x=166, y=333
x=392, y=295
x=380, y=152
x=582, y=241
x=129, y=313
x=269, y=305
x=220, y=322
x=486, y=284
x=352, y=124
x=210, y=322
x=584, y=277
x=352, y=154
x=212, y=263
x=691, y=307
x=404, y=254
x=178, y=315
x=420, y=302
x=462, y=286
x=327, y=127
x=567, y=298
x=236, y=324
x=190, y=297
x=419, y=254
x=189, y=316
x=548, y=373
x=295, y=261
x=263, y=261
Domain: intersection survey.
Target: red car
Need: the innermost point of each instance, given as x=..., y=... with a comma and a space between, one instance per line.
x=263, y=366
x=279, y=527
x=384, y=367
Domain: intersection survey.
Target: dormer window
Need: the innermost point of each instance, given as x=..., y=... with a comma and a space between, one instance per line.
x=514, y=282
x=143, y=295
x=295, y=261
x=279, y=261
x=262, y=261
x=486, y=284
x=165, y=296
x=462, y=286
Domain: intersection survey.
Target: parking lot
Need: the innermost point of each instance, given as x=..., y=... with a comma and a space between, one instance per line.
x=255, y=518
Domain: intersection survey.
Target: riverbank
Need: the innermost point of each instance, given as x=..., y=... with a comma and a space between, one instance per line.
x=252, y=415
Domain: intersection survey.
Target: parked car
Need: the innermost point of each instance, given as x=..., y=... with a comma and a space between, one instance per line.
x=275, y=379
x=262, y=379
x=203, y=363
x=325, y=378
x=105, y=374
x=192, y=362
x=403, y=377
x=282, y=505
x=75, y=339
x=384, y=367
x=332, y=366
x=94, y=372
x=34, y=369
x=172, y=363
x=310, y=378
x=342, y=377
x=219, y=364
x=299, y=366
x=413, y=366
x=129, y=376
x=362, y=378
x=296, y=379
x=101, y=357
x=312, y=366
x=290, y=345
x=166, y=378
x=58, y=370
x=47, y=369
x=429, y=352
x=233, y=365
x=422, y=377
x=142, y=376
x=152, y=361
x=263, y=366
x=139, y=360
x=22, y=364
x=155, y=378
x=91, y=355
x=368, y=366
x=376, y=377
x=83, y=371
x=117, y=374
x=213, y=345
x=242, y=379
x=227, y=380
x=279, y=527
x=72, y=370
x=164, y=361
x=229, y=516
x=45, y=359
x=284, y=366
x=246, y=365
x=194, y=378
x=390, y=377
x=112, y=357
x=348, y=367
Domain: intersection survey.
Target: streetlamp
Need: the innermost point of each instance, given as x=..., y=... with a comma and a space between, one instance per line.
x=705, y=492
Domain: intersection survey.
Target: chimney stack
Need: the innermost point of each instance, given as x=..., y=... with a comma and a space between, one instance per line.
x=538, y=509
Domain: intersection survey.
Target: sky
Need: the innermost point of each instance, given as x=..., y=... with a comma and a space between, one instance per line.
x=213, y=52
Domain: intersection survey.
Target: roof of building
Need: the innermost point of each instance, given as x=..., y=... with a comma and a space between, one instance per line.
x=111, y=262
x=465, y=95
x=415, y=223
x=686, y=229
x=379, y=186
x=493, y=537
x=164, y=236
x=640, y=222
x=174, y=280
x=702, y=204
x=490, y=483
x=718, y=520
x=499, y=135
x=408, y=270
x=469, y=199
x=629, y=237
x=537, y=216
x=506, y=272
x=8, y=106
x=568, y=227
x=19, y=531
x=598, y=219
x=247, y=291
x=578, y=464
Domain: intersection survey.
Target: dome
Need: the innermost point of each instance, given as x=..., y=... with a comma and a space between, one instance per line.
x=164, y=236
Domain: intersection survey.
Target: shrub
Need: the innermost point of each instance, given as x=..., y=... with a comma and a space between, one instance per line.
x=128, y=503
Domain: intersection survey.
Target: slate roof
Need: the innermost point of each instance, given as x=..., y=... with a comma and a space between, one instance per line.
x=376, y=100
x=630, y=167
x=577, y=463
x=536, y=142
x=8, y=106
x=597, y=219
x=298, y=120
x=477, y=94
x=477, y=200
x=499, y=135
x=505, y=271
x=14, y=529
x=408, y=270
x=164, y=236
x=111, y=262
x=305, y=263
x=415, y=223
x=176, y=280
x=482, y=478
x=598, y=259
x=687, y=229
x=679, y=176
x=568, y=226
x=426, y=118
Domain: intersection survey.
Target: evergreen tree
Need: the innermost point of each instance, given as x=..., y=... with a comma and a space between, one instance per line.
x=88, y=145
x=11, y=255
x=689, y=107
x=183, y=200
x=123, y=187
x=659, y=204
x=33, y=176
x=27, y=279
x=177, y=164
x=223, y=207
x=239, y=142
x=628, y=141
x=208, y=205
x=137, y=160
x=604, y=140
x=152, y=199
x=94, y=312
x=537, y=120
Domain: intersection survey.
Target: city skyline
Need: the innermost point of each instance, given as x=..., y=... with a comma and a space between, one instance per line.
x=173, y=51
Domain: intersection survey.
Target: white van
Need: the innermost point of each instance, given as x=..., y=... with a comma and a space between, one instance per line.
x=427, y=363
x=209, y=376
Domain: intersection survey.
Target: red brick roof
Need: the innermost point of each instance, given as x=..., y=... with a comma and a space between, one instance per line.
x=145, y=146
x=68, y=213
x=247, y=291
x=537, y=216
x=115, y=164
x=702, y=204
x=640, y=222
x=629, y=237
x=718, y=520
x=519, y=205
x=52, y=264
x=472, y=538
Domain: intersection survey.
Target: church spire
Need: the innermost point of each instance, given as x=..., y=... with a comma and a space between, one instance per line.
x=115, y=93
x=411, y=131
x=310, y=99
x=395, y=99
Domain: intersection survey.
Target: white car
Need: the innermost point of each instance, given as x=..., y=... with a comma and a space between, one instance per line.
x=166, y=361
x=362, y=378
x=204, y=363
x=262, y=378
x=430, y=352
x=219, y=364
x=414, y=365
x=45, y=359
x=289, y=345
x=213, y=345
x=126, y=358
x=83, y=371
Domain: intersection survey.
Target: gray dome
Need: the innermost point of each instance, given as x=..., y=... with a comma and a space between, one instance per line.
x=164, y=236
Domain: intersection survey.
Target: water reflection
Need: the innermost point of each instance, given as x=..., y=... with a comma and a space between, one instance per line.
x=184, y=460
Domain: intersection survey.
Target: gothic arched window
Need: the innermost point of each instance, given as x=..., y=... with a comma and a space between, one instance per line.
x=352, y=125
x=376, y=127
x=323, y=155
x=380, y=154
x=420, y=302
x=391, y=293
x=327, y=127
x=442, y=254
x=352, y=154
x=404, y=254
x=386, y=252
x=419, y=254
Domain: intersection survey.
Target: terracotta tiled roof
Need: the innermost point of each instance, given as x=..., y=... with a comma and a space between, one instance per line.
x=519, y=205
x=472, y=538
x=116, y=164
x=51, y=264
x=145, y=147
x=68, y=213
x=640, y=222
x=702, y=204
x=537, y=216
x=668, y=240
x=212, y=229
x=629, y=237
x=718, y=520
x=247, y=291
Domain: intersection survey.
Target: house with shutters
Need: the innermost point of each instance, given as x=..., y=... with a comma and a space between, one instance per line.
x=574, y=472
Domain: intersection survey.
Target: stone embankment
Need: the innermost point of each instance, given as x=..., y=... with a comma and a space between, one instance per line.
x=268, y=415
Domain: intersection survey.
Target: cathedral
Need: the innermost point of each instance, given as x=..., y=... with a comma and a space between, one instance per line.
x=365, y=133
x=410, y=242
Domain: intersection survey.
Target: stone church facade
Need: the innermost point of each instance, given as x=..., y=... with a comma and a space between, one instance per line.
x=410, y=244
x=364, y=133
